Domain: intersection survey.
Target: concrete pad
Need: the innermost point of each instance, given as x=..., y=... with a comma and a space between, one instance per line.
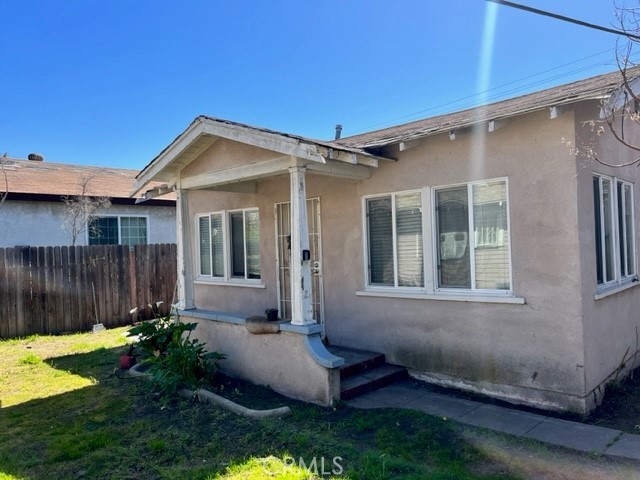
x=443, y=405
x=578, y=436
x=502, y=419
x=399, y=395
x=365, y=403
x=395, y=396
x=627, y=446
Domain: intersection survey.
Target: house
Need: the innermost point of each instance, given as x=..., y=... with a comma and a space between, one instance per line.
x=44, y=206
x=484, y=250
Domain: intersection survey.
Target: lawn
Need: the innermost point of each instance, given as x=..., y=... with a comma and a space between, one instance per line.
x=67, y=413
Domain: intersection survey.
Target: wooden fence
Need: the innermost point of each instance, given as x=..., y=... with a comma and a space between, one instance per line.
x=68, y=289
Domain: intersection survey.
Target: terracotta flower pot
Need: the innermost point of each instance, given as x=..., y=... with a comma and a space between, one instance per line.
x=127, y=361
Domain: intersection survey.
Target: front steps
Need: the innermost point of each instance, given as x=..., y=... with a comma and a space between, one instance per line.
x=364, y=371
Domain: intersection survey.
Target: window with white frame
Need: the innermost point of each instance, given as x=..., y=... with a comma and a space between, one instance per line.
x=229, y=244
x=472, y=237
x=614, y=230
x=117, y=230
x=395, y=242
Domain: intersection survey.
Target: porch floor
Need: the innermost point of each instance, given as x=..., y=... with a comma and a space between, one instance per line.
x=364, y=371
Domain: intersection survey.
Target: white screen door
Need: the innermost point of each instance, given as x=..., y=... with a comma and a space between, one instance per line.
x=283, y=245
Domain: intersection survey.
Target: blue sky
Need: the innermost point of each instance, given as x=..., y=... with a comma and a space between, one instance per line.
x=112, y=82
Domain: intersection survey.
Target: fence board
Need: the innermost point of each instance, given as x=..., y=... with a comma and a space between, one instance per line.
x=73, y=285
x=51, y=289
x=12, y=292
x=4, y=327
x=56, y=292
x=24, y=291
x=42, y=289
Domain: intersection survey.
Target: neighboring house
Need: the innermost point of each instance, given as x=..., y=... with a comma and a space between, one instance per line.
x=35, y=213
x=481, y=249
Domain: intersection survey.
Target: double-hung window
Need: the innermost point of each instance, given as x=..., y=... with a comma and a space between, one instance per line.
x=614, y=230
x=229, y=245
x=472, y=237
x=394, y=236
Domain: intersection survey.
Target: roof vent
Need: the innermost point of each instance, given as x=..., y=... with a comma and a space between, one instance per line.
x=36, y=157
x=338, y=131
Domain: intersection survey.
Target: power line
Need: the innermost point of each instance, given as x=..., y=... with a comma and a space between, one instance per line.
x=494, y=95
x=565, y=18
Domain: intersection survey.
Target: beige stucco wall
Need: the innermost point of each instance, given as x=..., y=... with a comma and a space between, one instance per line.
x=532, y=352
x=279, y=360
x=611, y=324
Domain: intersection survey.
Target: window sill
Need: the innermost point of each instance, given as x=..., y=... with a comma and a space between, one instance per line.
x=229, y=283
x=450, y=297
x=609, y=290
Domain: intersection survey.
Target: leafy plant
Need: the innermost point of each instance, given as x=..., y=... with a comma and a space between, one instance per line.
x=155, y=336
x=175, y=360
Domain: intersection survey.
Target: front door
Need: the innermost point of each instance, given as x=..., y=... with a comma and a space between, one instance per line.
x=283, y=243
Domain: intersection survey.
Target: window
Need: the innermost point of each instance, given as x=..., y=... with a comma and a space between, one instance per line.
x=614, y=230
x=472, y=246
x=114, y=230
x=240, y=230
x=394, y=235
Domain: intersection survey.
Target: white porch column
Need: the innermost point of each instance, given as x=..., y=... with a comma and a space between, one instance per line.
x=301, y=293
x=183, y=241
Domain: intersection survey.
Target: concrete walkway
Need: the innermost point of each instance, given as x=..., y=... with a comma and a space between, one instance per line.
x=575, y=435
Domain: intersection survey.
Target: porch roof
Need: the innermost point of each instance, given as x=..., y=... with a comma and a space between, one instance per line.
x=320, y=156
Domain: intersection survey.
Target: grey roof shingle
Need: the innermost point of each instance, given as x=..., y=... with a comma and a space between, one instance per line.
x=590, y=88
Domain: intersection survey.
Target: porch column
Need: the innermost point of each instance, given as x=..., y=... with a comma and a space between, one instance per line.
x=301, y=294
x=183, y=241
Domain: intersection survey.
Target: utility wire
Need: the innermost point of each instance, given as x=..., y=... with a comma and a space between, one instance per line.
x=494, y=95
x=564, y=18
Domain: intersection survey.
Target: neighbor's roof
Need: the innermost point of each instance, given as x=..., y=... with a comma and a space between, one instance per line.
x=59, y=179
x=591, y=88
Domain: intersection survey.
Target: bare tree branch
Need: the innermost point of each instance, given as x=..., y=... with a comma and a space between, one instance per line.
x=80, y=210
x=624, y=106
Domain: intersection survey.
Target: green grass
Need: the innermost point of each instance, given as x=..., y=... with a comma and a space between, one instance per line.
x=68, y=415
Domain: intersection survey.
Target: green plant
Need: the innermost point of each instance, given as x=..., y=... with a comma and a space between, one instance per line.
x=175, y=360
x=154, y=336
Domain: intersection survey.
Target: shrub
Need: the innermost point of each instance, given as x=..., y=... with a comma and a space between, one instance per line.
x=175, y=360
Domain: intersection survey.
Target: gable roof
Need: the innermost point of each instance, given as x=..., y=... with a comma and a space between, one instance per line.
x=596, y=87
x=204, y=131
x=38, y=180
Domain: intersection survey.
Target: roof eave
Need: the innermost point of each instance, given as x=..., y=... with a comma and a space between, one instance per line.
x=177, y=154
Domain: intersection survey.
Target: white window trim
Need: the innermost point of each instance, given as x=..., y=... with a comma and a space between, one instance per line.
x=365, y=229
x=227, y=279
x=119, y=217
x=430, y=291
x=434, y=231
x=618, y=283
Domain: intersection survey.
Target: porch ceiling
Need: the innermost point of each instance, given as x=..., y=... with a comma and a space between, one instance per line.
x=289, y=150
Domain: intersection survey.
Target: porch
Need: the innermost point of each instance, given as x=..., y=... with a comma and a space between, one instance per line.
x=228, y=177
x=320, y=374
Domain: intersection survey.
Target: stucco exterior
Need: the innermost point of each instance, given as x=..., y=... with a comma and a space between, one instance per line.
x=530, y=352
x=611, y=322
x=266, y=359
x=37, y=223
x=553, y=337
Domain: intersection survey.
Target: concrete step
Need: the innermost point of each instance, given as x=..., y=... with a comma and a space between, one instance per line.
x=356, y=361
x=370, y=379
